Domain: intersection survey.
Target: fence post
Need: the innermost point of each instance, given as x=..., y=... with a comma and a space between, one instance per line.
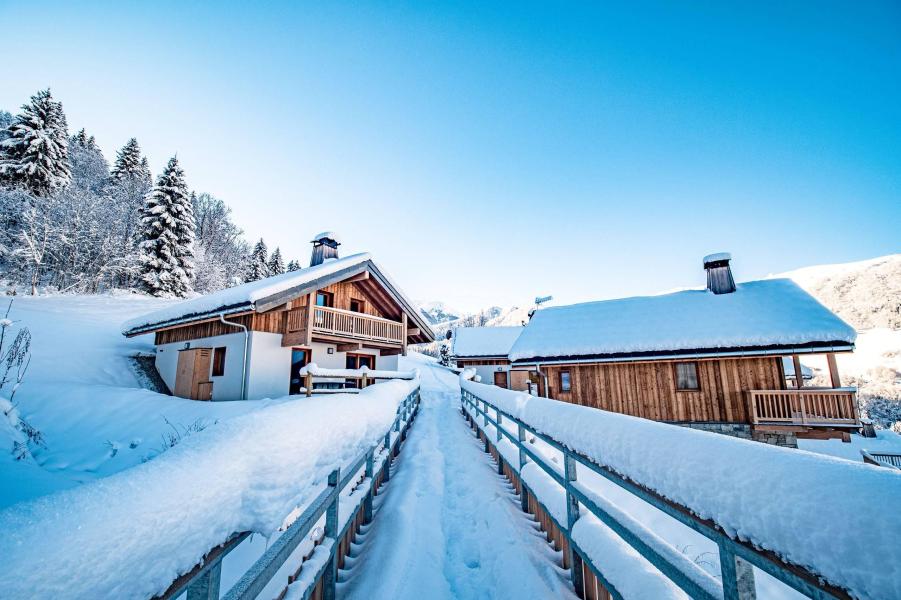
x=330, y=576
x=370, y=473
x=738, y=576
x=500, y=461
x=572, y=515
x=386, y=475
x=206, y=587
x=523, y=496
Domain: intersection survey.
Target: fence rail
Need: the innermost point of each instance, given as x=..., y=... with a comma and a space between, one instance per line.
x=370, y=469
x=736, y=557
x=811, y=407
x=883, y=459
x=355, y=325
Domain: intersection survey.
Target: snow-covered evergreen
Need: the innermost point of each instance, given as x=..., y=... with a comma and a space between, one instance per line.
x=167, y=246
x=293, y=265
x=258, y=264
x=276, y=264
x=35, y=154
x=129, y=162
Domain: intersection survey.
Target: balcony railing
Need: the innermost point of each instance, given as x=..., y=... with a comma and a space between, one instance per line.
x=347, y=324
x=806, y=407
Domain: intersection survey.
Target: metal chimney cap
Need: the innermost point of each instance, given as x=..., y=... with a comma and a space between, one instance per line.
x=717, y=257
x=327, y=235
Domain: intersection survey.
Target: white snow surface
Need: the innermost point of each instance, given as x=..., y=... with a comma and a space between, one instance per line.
x=484, y=341
x=447, y=526
x=759, y=313
x=813, y=510
x=245, y=294
x=717, y=256
x=131, y=534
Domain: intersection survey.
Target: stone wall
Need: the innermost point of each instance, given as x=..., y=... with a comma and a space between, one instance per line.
x=740, y=430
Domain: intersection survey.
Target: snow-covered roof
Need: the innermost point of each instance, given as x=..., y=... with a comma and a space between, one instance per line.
x=244, y=297
x=484, y=341
x=331, y=235
x=762, y=315
x=717, y=257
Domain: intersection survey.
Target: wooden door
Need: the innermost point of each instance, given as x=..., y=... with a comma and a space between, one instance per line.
x=192, y=371
x=500, y=379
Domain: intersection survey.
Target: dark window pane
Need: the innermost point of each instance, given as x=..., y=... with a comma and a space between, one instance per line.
x=687, y=376
x=565, y=382
x=219, y=361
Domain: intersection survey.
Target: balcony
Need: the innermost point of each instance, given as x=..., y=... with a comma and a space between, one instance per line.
x=334, y=324
x=804, y=408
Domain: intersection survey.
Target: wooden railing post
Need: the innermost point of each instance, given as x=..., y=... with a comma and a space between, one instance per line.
x=206, y=587
x=330, y=576
x=737, y=576
x=524, y=495
x=572, y=515
x=500, y=460
x=386, y=474
x=308, y=383
x=370, y=473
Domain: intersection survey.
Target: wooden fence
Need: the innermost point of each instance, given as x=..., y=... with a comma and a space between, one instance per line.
x=808, y=407
x=736, y=557
x=317, y=573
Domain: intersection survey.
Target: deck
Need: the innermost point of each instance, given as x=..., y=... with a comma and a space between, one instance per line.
x=804, y=408
x=338, y=325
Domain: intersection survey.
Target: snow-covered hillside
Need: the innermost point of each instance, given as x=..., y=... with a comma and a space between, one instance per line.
x=437, y=312
x=83, y=394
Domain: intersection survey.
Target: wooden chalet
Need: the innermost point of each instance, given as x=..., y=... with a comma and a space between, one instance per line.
x=487, y=349
x=252, y=340
x=711, y=358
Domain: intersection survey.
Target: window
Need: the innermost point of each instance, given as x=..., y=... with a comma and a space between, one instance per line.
x=687, y=376
x=219, y=361
x=565, y=381
x=325, y=299
x=357, y=305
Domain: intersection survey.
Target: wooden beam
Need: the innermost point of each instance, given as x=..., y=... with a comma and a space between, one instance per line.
x=799, y=377
x=350, y=347
x=390, y=351
x=311, y=306
x=361, y=277
x=412, y=330
x=833, y=370
x=404, y=321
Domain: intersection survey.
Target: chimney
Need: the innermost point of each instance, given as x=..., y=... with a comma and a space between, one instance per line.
x=719, y=273
x=325, y=246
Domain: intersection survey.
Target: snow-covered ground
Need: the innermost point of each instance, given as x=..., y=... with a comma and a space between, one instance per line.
x=449, y=526
x=82, y=392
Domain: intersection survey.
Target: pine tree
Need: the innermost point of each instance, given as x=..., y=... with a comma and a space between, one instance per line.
x=258, y=267
x=292, y=266
x=128, y=161
x=167, y=246
x=276, y=264
x=35, y=155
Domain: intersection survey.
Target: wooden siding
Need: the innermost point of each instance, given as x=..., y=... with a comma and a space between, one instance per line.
x=648, y=389
x=463, y=363
x=270, y=322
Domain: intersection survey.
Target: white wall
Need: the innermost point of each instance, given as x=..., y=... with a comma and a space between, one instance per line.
x=486, y=372
x=226, y=387
x=268, y=365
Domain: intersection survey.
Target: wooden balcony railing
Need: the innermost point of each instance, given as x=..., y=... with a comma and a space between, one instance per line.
x=806, y=407
x=347, y=324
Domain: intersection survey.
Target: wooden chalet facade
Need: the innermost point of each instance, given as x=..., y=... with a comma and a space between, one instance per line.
x=252, y=340
x=710, y=359
x=486, y=350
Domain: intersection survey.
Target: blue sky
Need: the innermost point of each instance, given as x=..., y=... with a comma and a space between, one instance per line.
x=487, y=153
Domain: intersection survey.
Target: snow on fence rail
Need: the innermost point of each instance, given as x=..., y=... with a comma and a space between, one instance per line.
x=164, y=527
x=816, y=523
x=364, y=375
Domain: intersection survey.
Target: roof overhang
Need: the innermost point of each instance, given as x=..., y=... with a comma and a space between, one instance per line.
x=694, y=353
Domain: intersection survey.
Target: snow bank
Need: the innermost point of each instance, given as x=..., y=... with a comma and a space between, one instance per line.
x=243, y=296
x=129, y=535
x=317, y=371
x=773, y=312
x=484, y=341
x=826, y=514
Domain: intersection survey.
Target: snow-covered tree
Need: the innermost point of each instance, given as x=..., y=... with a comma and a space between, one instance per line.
x=87, y=165
x=258, y=265
x=220, y=240
x=6, y=119
x=293, y=266
x=167, y=246
x=129, y=162
x=35, y=153
x=276, y=264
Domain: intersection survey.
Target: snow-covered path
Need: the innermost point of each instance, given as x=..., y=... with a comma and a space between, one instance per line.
x=447, y=525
